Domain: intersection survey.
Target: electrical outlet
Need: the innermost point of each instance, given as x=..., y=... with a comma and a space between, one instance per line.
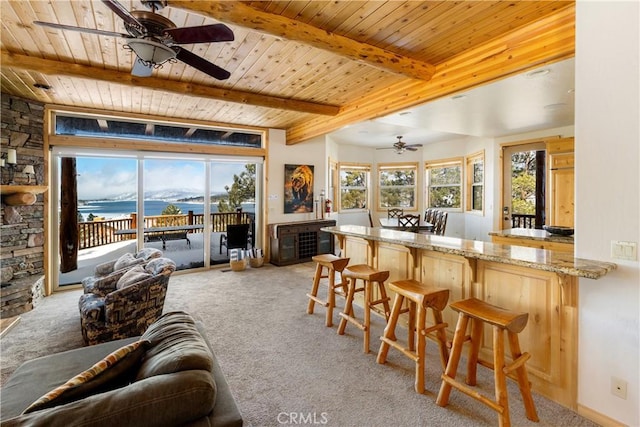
x=619, y=387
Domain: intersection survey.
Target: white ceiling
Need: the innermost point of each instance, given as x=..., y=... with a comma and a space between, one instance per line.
x=527, y=102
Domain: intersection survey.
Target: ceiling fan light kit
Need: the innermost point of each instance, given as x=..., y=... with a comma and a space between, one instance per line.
x=152, y=37
x=400, y=147
x=151, y=52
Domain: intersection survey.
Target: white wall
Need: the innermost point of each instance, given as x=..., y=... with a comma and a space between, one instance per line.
x=607, y=202
x=352, y=154
x=310, y=153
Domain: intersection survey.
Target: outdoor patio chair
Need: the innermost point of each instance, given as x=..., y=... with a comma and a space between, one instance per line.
x=135, y=301
x=237, y=237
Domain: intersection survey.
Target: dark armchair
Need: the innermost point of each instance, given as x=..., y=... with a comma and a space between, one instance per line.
x=237, y=237
x=123, y=304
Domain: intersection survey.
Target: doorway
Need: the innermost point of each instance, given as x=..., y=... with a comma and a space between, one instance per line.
x=523, y=186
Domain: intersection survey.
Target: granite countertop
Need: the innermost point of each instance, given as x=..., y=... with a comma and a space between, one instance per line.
x=532, y=234
x=540, y=259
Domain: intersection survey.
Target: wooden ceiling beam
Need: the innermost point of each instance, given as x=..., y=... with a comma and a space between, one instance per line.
x=237, y=13
x=548, y=40
x=61, y=68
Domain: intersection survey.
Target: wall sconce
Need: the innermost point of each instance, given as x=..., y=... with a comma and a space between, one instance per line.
x=11, y=156
x=10, y=161
x=29, y=171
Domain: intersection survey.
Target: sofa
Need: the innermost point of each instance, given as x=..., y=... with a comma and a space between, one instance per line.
x=124, y=303
x=169, y=376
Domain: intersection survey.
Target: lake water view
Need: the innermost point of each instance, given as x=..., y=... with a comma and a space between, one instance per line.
x=111, y=209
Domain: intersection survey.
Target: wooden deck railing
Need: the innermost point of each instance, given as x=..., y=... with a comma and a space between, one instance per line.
x=523, y=220
x=98, y=233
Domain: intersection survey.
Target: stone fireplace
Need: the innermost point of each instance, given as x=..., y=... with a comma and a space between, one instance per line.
x=22, y=238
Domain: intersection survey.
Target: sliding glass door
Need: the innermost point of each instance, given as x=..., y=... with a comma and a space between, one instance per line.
x=173, y=209
x=110, y=203
x=97, y=205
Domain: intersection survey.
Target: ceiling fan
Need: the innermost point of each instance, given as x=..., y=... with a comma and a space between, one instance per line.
x=154, y=38
x=400, y=146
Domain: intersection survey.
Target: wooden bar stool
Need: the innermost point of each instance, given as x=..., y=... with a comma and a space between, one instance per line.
x=368, y=275
x=480, y=312
x=332, y=263
x=421, y=297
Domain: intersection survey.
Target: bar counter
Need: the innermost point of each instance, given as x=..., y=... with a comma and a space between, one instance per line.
x=533, y=238
x=552, y=261
x=540, y=282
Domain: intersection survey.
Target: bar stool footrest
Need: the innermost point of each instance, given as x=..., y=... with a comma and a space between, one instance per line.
x=353, y=320
x=473, y=393
x=404, y=350
x=318, y=300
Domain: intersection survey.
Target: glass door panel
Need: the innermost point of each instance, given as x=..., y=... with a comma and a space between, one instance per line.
x=523, y=186
x=96, y=213
x=233, y=201
x=174, y=194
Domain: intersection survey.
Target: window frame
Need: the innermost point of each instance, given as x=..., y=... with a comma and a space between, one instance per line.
x=364, y=167
x=442, y=163
x=391, y=167
x=471, y=161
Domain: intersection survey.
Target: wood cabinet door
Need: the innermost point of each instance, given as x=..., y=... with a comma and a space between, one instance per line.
x=551, y=332
x=562, y=190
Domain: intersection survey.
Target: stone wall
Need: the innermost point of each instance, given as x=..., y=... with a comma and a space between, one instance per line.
x=22, y=238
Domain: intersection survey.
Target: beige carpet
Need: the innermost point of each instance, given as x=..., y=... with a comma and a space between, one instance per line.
x=285, y=366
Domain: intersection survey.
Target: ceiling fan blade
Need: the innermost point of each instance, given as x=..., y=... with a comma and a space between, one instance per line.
x=200, y=63
x=126, y=16
x=140, y=69
x=201, y=34
x=412, y=145
x=386, y=148
x=82, y=29
x=409, y=148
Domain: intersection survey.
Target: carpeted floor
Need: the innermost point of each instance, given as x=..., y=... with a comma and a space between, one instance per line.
x=283, y=365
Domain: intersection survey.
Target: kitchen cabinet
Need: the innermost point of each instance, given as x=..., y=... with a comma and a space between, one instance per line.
x=562, y=182
x=542, y=283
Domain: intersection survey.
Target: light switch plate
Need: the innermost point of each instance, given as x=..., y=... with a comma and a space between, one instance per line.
x=627, y=251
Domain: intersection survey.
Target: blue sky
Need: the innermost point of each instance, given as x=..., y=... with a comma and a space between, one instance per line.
x=104, y=177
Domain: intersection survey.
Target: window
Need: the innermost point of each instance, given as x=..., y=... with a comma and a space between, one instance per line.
x=475, y=182
x=354, y=187
x=444, y=184
x=102, y=125
x=397, y=186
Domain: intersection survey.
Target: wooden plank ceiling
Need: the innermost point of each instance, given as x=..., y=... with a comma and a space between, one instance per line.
x=309, y=67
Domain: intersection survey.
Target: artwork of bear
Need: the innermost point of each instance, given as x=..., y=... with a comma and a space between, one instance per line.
x=298, y=189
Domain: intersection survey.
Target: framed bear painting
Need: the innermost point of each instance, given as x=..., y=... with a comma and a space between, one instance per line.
x=298, y=188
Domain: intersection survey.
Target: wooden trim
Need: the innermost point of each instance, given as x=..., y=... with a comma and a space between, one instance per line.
x=468, y=193
x=598, y=418
x=545, y=140
x=548, y=40
x=61, y=68
x=136, y=145
x=281, y=26
x=564, y=145
x=54, y=108
x=444, y=162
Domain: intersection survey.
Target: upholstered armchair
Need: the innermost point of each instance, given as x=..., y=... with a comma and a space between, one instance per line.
x=118, y=266
x=123, y=304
